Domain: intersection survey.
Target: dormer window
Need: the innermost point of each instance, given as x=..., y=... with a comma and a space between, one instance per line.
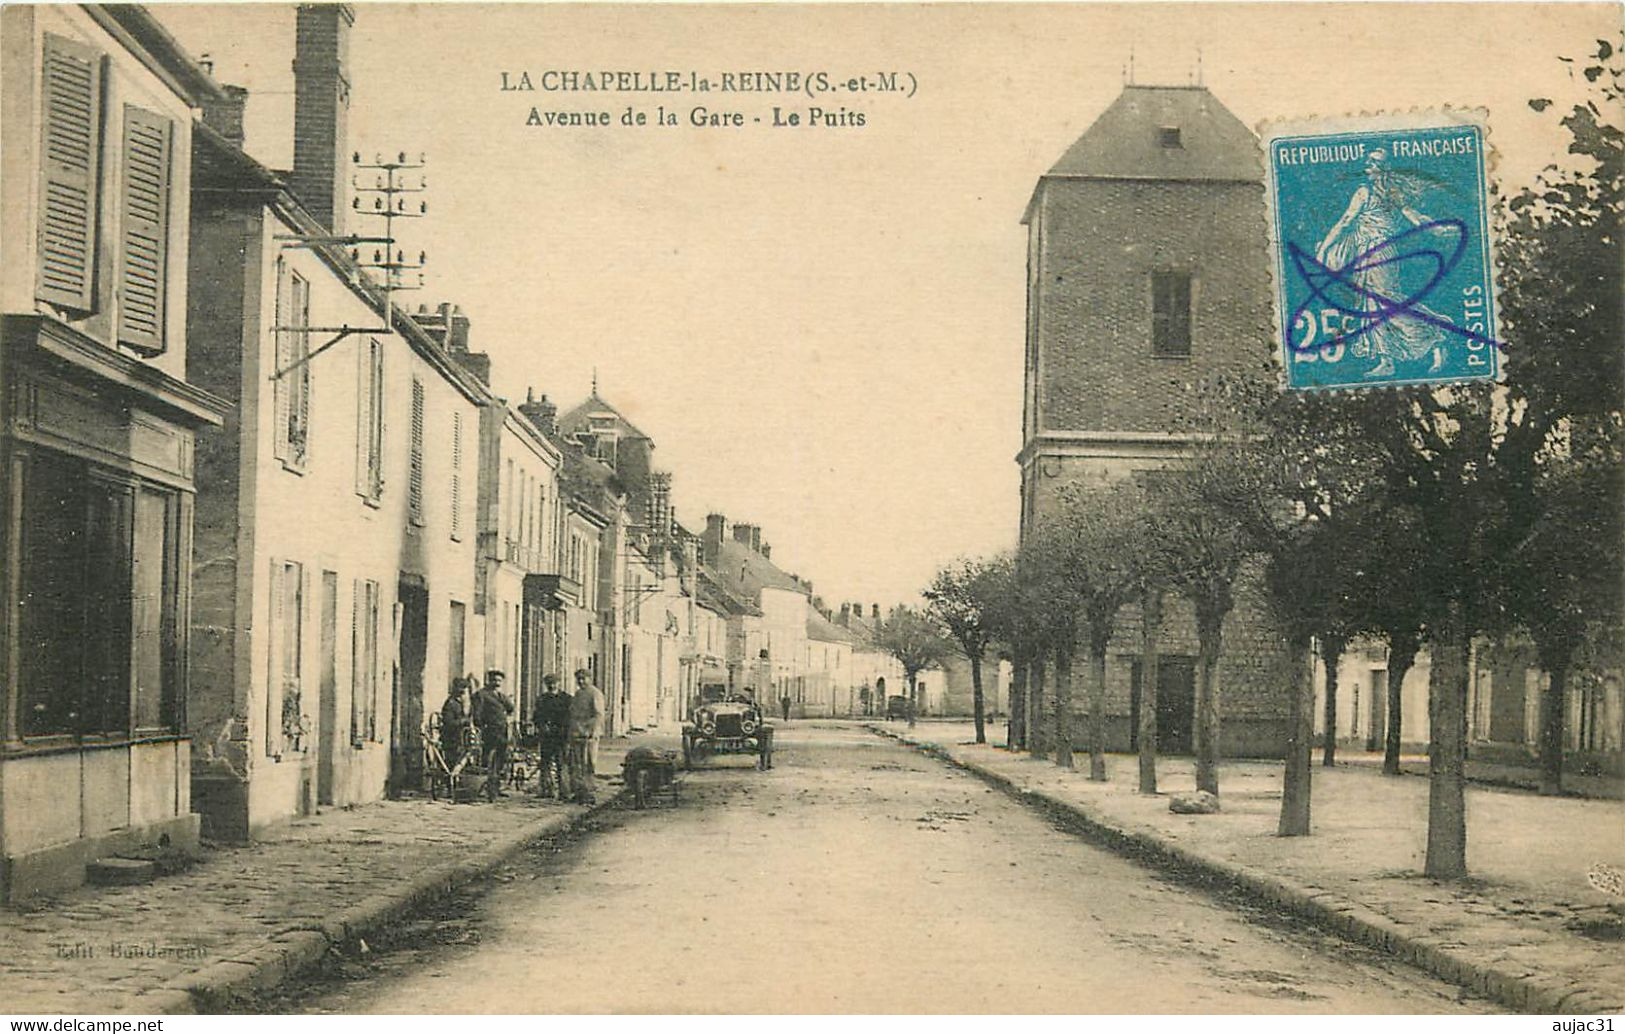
x=1168, y=136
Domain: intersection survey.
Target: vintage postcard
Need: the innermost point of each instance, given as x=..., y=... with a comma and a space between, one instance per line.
x=773, y=508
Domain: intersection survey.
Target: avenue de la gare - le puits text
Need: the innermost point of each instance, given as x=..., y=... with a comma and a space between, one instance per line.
x=811, y=84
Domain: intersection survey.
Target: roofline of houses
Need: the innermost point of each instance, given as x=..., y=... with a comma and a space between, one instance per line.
x=270, y=189
x=146, y=38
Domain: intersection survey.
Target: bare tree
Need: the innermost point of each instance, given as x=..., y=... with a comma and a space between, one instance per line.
x=917, y=644
x=1103, y=559
x=960, y=599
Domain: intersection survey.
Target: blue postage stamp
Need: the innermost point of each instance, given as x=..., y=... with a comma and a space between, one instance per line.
x=1380, y=240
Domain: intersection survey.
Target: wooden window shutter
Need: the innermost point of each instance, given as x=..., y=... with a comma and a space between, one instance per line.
x=274, y=650
x=283, y=345
x=358, y=651
x=144, y=229
x=70, y=169
x=414, y=487
x=456, y=475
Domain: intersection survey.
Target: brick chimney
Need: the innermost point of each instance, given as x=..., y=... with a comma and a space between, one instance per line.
x=747, y=535
x=225, y=116
x=321, y=111
x=449, y=327
x=716, y=527
x=877, y=612
x=541, y=412
x=767, y=551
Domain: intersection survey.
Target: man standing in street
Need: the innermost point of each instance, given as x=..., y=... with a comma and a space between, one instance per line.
x=784, y=705
x=491, y=711
x=454, y=724
x=553, y=725
x=586, y=714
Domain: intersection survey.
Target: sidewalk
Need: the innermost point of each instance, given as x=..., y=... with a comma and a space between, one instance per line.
x=1492, y=773
x=1512, y=931
x=252, y=915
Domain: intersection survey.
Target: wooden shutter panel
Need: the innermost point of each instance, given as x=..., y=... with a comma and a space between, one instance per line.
x=358, y=652
x=282, y=341
x=144, y=229
x=71, y=122
x=414, y=487
x=456, y=475
x=273, y=675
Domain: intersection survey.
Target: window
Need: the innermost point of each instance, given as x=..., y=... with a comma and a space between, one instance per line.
x=364, y=665
x=144, y=230
x=1171, y=314
x=292, y=375
x=98, y=636
x=70, y=171
x=369, y=456
x=1168, y=136
x=414, y=484
x=456, y=476
x=285, y=722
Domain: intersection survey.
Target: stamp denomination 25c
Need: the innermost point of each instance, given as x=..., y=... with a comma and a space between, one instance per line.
x=1380, y=239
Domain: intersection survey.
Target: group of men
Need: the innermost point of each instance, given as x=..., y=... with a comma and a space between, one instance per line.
x=567, y=726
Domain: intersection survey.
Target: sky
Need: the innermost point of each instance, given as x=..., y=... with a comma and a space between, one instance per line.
x=822, y=327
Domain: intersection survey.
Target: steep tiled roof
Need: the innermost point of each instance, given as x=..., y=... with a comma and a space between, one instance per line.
x=1126, y=141
x=713, y=594
x=823, y=630
x=576, y=419
x=745, y=572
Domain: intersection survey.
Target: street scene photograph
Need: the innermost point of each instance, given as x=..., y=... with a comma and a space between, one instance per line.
x=799, y=509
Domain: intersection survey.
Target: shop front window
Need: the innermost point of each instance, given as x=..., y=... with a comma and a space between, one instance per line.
x=97, y=635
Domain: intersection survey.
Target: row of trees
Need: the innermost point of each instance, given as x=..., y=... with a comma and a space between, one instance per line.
x=1417, y=517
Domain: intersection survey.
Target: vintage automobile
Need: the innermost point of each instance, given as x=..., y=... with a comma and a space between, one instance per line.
x=727, y=723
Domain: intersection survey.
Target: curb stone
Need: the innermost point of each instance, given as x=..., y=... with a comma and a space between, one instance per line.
x=301, y=948
x=1352, y=920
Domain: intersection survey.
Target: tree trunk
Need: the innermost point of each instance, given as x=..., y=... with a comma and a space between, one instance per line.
x=1097, y=711
x=1551, y=728
x=1402, y=647
x=1015, y=737
x=913, y=696
x=1209, y=623
x=1035, y=711
x=1063, y=707
x=1150, y=632
x=1447, y=750
x=976, y=697
x=1300, y=740
x=1331, y=653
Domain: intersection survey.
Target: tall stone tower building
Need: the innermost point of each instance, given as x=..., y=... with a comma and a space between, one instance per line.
x=1146, y=272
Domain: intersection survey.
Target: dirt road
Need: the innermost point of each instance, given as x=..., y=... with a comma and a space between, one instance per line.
x=856, y=876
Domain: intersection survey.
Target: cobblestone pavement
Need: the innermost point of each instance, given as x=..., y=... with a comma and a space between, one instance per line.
x=1527, y=907
x=858, y=876
x=95, y=948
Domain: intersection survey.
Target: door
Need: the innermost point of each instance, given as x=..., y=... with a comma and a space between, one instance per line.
x=1176, y=704
x=327, y=729
x=406, y=745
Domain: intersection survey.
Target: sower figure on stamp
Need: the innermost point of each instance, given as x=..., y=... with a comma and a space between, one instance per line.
x=553, y=725
x=492, y=708
x=1364, y=244
x=586, y=714
x=454, y=721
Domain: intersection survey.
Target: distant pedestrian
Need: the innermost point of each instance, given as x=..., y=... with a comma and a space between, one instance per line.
x=492, y=709
x=784, y=705
x=454, y=722
x=553, y=725
x=586, y=717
